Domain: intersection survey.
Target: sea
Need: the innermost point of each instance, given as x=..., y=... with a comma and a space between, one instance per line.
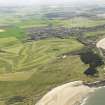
x=96, y=98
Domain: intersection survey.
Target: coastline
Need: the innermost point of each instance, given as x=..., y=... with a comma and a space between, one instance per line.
x=86, y=98
x=98, y=84
x=73, y=93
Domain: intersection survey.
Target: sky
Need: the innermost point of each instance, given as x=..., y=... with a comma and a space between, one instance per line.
x=29, y=2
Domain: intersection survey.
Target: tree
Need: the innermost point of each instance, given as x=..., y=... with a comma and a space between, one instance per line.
x=93, y=59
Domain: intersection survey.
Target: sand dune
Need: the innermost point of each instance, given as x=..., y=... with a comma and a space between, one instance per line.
x=68, y=94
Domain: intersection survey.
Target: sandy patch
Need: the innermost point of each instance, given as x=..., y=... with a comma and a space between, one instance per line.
x=101, y=43
x=1, y=30
x=67, y=94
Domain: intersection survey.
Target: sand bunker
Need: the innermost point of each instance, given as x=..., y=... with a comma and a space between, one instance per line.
x=67, y=94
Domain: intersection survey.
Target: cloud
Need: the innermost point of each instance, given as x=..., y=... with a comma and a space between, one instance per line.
x=28, y=2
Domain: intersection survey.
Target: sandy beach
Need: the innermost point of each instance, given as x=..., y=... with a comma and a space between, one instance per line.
x=71, y=93
x=68, y=94
x=101, y=44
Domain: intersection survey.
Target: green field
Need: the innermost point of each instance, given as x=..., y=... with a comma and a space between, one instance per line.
x=29, y=69
x=25, y=67
x=20, y=56
x=68, y=23
x=18, y=29
x=33, y=23
x=76, y=22
x=12, y=31
x=95, y=33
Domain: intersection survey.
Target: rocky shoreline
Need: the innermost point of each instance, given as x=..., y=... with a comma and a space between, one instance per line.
x=96, y=84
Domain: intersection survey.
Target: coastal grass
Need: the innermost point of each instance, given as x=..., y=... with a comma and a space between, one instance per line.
x=31, y=69
x=37, y=67
x=16, y=56
x=50, y=75
x=16, y=76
